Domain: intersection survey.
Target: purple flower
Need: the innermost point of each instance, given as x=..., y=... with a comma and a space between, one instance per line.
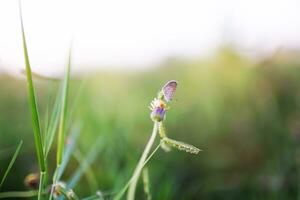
x=158, y=114
x=158, y=108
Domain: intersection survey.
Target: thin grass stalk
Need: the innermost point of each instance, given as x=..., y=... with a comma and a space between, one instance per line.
x=11, y=163
x=140, y=165
x=32, y=101
x=34, y=109
x=123, y=190
x=63, y=114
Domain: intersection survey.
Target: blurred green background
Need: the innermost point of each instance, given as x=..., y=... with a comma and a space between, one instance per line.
x=243, y=114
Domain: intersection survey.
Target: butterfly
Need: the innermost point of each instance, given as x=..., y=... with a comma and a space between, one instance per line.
x=169, y=89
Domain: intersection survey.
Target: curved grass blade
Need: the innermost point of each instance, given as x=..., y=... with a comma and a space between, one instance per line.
x=34, y=110
x=63, y=114
x=32, y=101
x=12, y=161
x=18, y=194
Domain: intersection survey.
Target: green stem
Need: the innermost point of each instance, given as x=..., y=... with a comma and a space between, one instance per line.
x=54, y=181
x=120, y=194
x=140, y=165
x=41, y=186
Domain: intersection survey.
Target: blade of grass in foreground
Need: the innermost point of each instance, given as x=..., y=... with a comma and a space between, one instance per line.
x=12, y=161
x=32, y=102
x=18, y=194
x=63, y=114
x=34, y=110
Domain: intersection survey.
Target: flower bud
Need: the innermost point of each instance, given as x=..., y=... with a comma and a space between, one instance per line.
x=158, y=108
x=158, y=114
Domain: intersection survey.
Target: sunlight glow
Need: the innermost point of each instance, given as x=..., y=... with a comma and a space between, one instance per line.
x=137, y=33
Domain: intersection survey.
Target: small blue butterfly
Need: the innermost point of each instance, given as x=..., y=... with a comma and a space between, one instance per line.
x=169, y=89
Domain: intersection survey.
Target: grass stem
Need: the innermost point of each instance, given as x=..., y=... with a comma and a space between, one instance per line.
x=140, y=165
x=63, y=114
x=123, y=190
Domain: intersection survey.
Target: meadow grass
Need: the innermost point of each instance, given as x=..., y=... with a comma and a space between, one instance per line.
x=57, y=122
x=245, y=117
x=34, y=112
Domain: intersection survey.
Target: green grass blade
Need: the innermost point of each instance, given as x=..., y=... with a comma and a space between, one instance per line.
x=68, y=151
x=120, y=194
x=18, y=194
x=32, y=101
x=63, y=114
x=53, y=124
x=90, y=157
x=12, y=161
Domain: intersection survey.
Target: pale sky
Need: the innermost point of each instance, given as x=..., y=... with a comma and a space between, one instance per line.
x=133, y=34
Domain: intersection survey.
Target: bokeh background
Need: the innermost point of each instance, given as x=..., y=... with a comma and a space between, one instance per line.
x=239, y=102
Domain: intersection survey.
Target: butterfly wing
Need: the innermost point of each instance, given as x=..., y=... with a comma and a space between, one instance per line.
x=169, y=90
